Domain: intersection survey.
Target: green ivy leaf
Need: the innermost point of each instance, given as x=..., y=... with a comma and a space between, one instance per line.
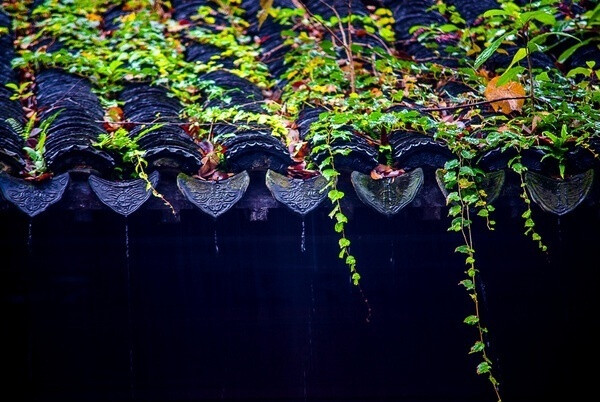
x=466, y=171
x=451, y=164
x=518, y=167
x=454, y=210
x=335, y=195
x=471, y=320
x=483, y=213
x=483, y=368
x=329, y=174
x=464, y=249
x=343, y=242
x=340, y=217
x=452, y=197
x=467, y=283
x=477, y=347
x=456, y=225
x=334, y=211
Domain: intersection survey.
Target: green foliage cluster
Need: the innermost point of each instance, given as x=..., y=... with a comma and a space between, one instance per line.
x=35, y=140
x=563, y=111
x=330, y=69
x=146, y=46
x=122, y=144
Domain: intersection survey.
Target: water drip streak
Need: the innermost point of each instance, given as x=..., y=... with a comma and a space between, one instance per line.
x=394, y=271
x=559, y=232
x=127, y=247
x=303, y=237
x=484, y=301
x=216, y=242
x=310, y=319
x=30, y=237
x=310, y=361
x=304, y=382
x=310, y=340
x=392, y=242
x=129, y=314
x=489, y=341
x=30, y=332
x=483, y=292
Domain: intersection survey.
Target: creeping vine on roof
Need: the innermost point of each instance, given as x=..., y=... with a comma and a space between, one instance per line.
x=341, y=85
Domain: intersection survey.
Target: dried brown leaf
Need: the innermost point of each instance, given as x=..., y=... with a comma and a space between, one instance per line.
x=511, y=89
x=384, y=171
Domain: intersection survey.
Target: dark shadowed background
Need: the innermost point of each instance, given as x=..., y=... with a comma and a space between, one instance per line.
x=262, y=320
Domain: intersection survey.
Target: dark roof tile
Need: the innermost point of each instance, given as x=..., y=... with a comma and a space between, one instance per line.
x=470, y=10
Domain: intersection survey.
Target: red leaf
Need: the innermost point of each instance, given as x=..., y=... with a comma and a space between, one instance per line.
x=206, y=147
x=299, y=171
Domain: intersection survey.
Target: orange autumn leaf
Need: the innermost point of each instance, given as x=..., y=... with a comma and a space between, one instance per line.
x=511, y=89
x=380, y=171
x=114, y=113
x=299, y=151
x=94, y=17
x=376, y=92
x=375, y=175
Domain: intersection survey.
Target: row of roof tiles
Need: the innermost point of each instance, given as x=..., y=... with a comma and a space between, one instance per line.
x=79, y=123
x=77, y=126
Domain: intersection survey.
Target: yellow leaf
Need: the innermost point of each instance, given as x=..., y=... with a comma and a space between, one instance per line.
x=94, y=17
x=128, y=18
x=473, y=50
x=324, y=89
x=511, y=89
x=265, y=7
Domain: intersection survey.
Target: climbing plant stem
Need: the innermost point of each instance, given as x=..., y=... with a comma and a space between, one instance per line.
x=466, y=184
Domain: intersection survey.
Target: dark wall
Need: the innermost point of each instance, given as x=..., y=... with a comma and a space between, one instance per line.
x=262, y=320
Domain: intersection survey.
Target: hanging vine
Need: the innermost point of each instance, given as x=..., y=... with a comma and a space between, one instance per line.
x=464, y=198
